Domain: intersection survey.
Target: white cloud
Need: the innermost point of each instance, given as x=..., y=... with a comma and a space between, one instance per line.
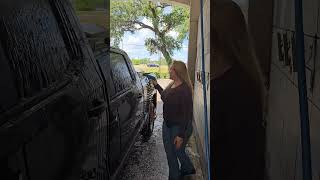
x=131, y=40
x=147, y=22
x=181, y=55
x=146, y=33
x=144, y=21
x=167, y=10
x=173, y=34
x=137, y=38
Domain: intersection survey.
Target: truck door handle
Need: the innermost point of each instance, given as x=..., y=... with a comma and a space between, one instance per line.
x=140, y=95
x=114, y=121
x=98, y=107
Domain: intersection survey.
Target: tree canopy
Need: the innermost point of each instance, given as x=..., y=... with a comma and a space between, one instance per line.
x=129, y=16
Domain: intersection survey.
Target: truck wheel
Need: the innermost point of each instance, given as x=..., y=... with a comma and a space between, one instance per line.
x=149, y=126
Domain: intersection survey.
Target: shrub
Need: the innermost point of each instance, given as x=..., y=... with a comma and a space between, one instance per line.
x=165, y=75
x=161, y=75
x=136, y=61
x=157, y=74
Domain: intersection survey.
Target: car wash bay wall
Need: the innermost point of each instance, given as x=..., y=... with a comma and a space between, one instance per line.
x=199, y=122
x=283, y=121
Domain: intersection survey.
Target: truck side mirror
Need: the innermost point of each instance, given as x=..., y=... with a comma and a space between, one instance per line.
x=107, y=41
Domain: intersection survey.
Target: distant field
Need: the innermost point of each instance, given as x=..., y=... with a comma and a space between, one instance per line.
x=161, y=71
x=145, y=68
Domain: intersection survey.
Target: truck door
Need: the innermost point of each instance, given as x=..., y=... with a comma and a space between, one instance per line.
x=46, y=131
x=126, y=99
x=139, y=95
x=114, y=123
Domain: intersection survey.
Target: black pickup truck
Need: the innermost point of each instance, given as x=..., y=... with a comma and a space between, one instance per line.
x=132, y=107
x=132, y=97
x=67, y=110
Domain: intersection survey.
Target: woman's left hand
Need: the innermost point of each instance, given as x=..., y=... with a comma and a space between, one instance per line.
x=178, y=142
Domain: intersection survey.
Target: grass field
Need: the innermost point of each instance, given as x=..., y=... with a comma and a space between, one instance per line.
x=161, y=72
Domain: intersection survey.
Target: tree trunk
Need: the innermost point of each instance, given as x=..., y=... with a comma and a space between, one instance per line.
x=166, y=55
x=164, y=51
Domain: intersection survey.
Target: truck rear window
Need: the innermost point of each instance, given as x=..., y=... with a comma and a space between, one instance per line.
x=9, y=96
x=120, y=73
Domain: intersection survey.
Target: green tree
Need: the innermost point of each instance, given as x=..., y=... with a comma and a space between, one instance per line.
x=128, y=15
x=162, y=62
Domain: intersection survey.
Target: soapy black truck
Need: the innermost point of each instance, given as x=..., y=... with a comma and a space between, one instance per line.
x=68, y=110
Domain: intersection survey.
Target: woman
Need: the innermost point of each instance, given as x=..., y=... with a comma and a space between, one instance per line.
x=237, y=133
x=178, y=116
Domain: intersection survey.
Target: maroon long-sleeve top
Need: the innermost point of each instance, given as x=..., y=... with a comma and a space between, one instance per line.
x=177, y=106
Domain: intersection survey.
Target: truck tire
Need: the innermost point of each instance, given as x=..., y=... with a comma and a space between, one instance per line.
x=149, y=126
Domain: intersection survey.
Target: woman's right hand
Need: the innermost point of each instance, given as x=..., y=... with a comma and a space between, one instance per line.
x=178, y=142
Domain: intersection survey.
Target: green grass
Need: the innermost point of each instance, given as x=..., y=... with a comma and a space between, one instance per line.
x=145, y=68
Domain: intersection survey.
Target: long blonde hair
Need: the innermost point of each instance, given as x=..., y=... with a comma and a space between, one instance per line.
x=182, y=73
x=230, y=29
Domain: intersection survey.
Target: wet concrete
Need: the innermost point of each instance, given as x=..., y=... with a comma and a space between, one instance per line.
x=147, y=160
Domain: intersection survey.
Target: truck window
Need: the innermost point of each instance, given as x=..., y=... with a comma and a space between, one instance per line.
x=35, y=57
x=104, y=64
x=122, y=78
x=9, y=96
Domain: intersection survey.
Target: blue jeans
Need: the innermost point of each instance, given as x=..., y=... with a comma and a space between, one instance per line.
x=173, y=154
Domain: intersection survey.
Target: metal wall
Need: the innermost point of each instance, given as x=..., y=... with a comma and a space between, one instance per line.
x=283, y=125
x=198, y=91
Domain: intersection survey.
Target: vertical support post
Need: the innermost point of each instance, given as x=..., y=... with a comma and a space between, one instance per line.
x=303, y=96
x=203, y=76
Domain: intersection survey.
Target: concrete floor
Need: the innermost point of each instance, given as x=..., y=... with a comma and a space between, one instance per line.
x=147, y=160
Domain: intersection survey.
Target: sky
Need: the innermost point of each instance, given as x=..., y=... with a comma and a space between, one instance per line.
x=133, y=44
